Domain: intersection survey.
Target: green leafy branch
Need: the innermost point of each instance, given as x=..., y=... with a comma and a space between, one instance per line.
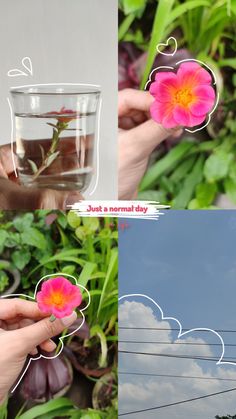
x=51, y=155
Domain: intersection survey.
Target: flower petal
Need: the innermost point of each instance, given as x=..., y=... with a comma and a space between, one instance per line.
x=191, y=74
x=164, y=86
x=162, y=114
x=185, y=118
x=204, y=102
x=181, y=115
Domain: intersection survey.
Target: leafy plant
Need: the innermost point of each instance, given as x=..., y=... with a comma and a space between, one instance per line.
x=45, y=242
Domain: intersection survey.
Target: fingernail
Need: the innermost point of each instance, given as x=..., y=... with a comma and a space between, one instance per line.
x=67, y=321
x=71, y=199
x=53, y=345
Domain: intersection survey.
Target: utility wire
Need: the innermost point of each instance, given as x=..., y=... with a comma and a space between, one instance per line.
x=179, y=343
x=173, y=329
x=196, y=357
x=177, y=403
x=175, y=376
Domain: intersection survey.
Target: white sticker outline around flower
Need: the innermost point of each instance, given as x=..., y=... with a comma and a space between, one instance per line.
x=181, y=333
x=61, y=338
x=173, y=68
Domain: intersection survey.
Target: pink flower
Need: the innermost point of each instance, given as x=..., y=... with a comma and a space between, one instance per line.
x=58, y=297
x=184, y=98
x=64, y=115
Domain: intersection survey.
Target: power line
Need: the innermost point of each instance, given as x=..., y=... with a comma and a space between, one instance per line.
x=195, y=357
x=176, y=376
x=179, y=343
x=174, y=329
x=177, y=403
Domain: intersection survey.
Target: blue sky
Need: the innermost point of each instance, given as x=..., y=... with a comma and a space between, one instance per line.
x=185, y=261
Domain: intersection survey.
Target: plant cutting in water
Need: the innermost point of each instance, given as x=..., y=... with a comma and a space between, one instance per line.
x=64, y=117
x=58, y=297
x=184, y=98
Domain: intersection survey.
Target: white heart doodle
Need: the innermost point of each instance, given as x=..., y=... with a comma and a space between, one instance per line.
x=27, y=64
x=171, y=38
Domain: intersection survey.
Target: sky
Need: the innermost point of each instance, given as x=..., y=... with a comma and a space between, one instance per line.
x=186, y=262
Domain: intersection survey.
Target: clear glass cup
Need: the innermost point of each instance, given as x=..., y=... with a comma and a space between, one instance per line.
x=55, y=133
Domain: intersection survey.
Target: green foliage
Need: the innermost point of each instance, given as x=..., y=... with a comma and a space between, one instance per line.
x=45, y=242
x=63, y=407
x=207, y=30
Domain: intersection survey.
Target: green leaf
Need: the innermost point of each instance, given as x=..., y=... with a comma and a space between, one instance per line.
x=91, y=415
x=86, y=273
x=217, y=165
x=96, y=330
x=130, y=6
x=182, y=199
x=21, y=258
x=23, y=222
x=4, y=280
x=33, y=166
x=73, y=219
x=206, y=193
x=91, y=223
x=13, y=239
x=227, y=62
x=3, y=237
x=50, y=159
x=165, y=164
x=62, y=219
x=69, y=269
x=149, y=195
x=230, y=189
x=160, y=23
x=183, y=8
x=33, y=237
x=40, y=410
x=183, y=169
x=125, y=25
x=111, y=273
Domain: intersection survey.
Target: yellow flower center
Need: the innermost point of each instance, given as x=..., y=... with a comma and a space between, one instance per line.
x=57, y=299
x=183, y=97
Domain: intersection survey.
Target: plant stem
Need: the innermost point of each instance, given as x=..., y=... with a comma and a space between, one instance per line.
x=48, y=159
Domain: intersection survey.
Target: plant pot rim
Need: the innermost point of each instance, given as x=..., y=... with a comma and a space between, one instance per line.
x=16, y=278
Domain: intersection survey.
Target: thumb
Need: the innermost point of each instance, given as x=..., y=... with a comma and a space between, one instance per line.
x=33, y=335
x=143, y=139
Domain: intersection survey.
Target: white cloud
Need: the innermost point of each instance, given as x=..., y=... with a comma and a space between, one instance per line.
x=140, y=392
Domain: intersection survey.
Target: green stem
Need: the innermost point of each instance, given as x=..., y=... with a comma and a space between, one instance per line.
x=125, y=25
x=159, y=26
x=48, y=159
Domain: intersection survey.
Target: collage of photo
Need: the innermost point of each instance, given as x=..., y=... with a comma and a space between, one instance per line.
x=117, y=209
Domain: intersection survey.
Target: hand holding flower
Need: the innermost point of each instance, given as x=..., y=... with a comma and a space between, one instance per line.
x=58, y=297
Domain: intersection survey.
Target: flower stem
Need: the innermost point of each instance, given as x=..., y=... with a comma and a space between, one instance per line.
x=52, y=153
x=52, y=318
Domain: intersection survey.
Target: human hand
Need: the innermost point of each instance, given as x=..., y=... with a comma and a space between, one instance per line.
x=14, y=197
x=138, y=137
x=23, y=327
